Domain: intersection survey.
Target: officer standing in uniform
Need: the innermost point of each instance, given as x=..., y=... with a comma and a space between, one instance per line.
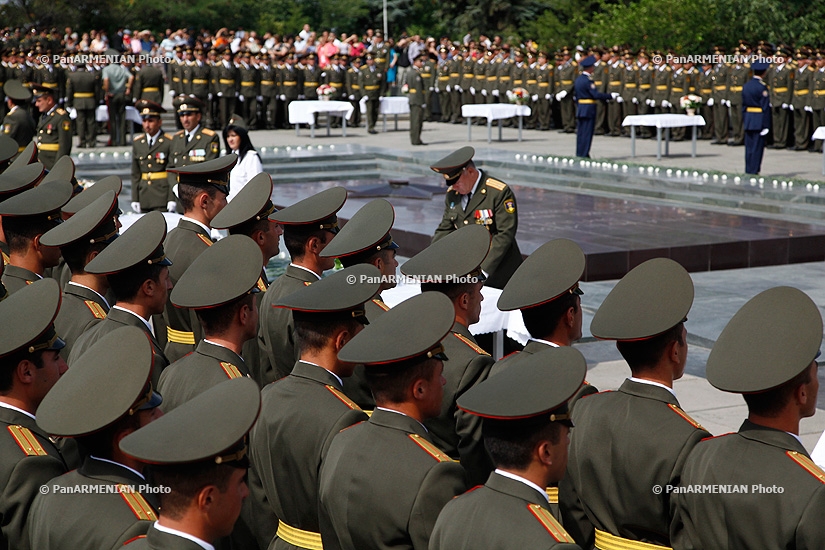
x=194, y=143
x=148, y=84
x=614, y=429
x=199, y=82
x=82, y=95
x=353, y=91
x=767, y=352
x=54, y=129
x=18, y=123
x=269, y=91
x=151, y=153
x=475, y=197
x=781, y=89
x=615, y=87
x=756, y=111
x=116, y=507
x=801, y=103
x=661, y=85
x=738, y=76
x=544, y=82
x=704, y=87
x=586, y=97
x=416, y=88
x=818, y=99
x=442, y=84
x=566, y=75
x=525, y=425
x=372, y=84
x=289, y=82
x=249, y=90
x=225, y=75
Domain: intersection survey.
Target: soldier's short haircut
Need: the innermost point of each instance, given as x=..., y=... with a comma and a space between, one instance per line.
x=511, y=442
x=20, y=232
x=126, y=284
x=250, y=227
x=314, y=330
x=389, y=384
x=75, y=254
x=295, y=240
x=102, y=444
x=9, y=364
x=542, y=320
x=188, y=193
x=770, y=403
x=642, y=355
x=217, y=320
x=185, y=481
x=450, y=290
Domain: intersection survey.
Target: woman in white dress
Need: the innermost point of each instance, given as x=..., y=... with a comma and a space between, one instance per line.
x=236, y=138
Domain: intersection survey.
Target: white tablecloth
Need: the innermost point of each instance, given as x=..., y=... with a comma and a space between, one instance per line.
x=390, y=106
x=495, y=111
x=303, y=112
x=819, y=133
x=666, y=120
x=102, y=114
x=492, y=319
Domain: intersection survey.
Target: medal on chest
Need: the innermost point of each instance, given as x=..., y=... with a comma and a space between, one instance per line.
x=484, y=216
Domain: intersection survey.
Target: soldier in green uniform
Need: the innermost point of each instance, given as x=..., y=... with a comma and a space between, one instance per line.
x=704, y=89
x=14, y=181
x=199, y=82
x=335, y=75
x=204, y=473
x=453, y=266
x=678, y=87
x=525, y=425
x=391, y=458
x=225, y=75
x=194, y=143
x=721, y=118
x=148, y=84
x=82, y=94
x=249, y=88
x=81, y=238
x=26, y=217
x=269, y=91
x=302, y=413
x=54, y=129
x=138, y=273
x=644, y=93
x=202, y=189
x=801, y=103
x=566, y=74
x=381, y=52
x=310, y=77
x=151, y=153
x=372, y=83
x=30, y=365
x=600, y=77
x=442, y=87
x=353, y=91
x=109, y=395
x=18, y=123
x=630, y=88
x=544, y=82
x=415, y=88
x=661, y=85
x=309, y=225
x=615, y=87
x=428, y=74
x=475, y=197
x=767, y=352
x=818, y=99
x=467, y=76
x=219, y=286
x=605, y=494
x=780, y=82
x=738, y=75
x=289, y=82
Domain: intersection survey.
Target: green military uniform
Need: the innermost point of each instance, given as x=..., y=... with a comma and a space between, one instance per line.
x=428, y=73
x=54, y=132
x=200, y=74
x=544, y=83
x=371, y=82
x=678, y=88
x=249, y=87
x=353, y=92
x=615, y=84
x=150, y=157
x=442, y=86
x=18, y=123
x=269, y=92
x=82, y=92
x=721, y=118
x=704, y=89
x=289, y=82
x=310, y=79
x=600, y=80
x=780, y=82
x=466, y=81
x=201, y=145
x=565, y=76
x=225, y=76
x=802, y=79
x=416, y=89
x=148, y=84
x=737, y=77
x=493, y=204
x=604, y=489
x=818, y=104
x=661, y=88
x=15, y=180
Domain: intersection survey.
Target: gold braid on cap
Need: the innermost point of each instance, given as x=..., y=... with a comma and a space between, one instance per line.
x=142, y=401
x=234, y=457
x=45, y=345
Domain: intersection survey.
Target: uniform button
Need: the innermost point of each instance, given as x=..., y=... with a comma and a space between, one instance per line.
x=466, y=222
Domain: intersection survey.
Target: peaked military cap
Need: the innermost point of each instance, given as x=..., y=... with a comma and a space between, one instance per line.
x=27, y=156
x=452, y=165
x=94, y=224
x=40, y=90
x=237, y=122
x=142, y=243
x=148, y=108
x=213, y=172
x=16, y=180
x=366, y=233
x=411, y=330
x=43, y=201
x=252, y=203
x=63, y=170
x=8, y=148
x=457, y=255
x=653, y=297
x=771, y=339
x=588, y=61
x=16, y=90
x=92, y=193
x=343, y=290
x=538, y=384
x=188, y=104
x=109, y=380
x=760, y=66
x=27, y=318
x=224, y=272
x=313, y=213
x=550, y=272
x=212, y=426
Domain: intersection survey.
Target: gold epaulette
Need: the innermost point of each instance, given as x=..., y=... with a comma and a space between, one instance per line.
x=205, y=239
x=380, y=303
x=550, y=523
x=141, y=137
x=430, y=449
x=685, y=415
x=343, y=398
x=95, y=308
x=167, y=136
x=208, y=132
x=137, y=503
x=552, y=494
x=261, y=284
x=180, y=133
x=475, y=347
x=5, y=258
x=61, y=111
x=26, y=440
x=495, y=184
x=231, y=370
x=808, y=465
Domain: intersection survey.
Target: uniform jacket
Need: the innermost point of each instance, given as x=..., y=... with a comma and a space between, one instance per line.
x=756, y=105
x=587, y=95
x=151, y=193
x=82, y=90
x=54, y=136
x=19, y=126
x=158, y=540
x=148, y=84
x=204, y=145
x=80, y=310
x=15, y=278
x=415, y=82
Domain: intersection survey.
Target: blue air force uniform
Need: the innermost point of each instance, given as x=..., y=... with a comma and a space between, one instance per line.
x=586, y=96
x=756, y=112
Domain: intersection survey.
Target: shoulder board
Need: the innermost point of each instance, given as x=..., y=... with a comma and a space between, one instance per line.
x=574, y=63
x=685, y=415
x=808, y=464
x=495, y=184
x=430, y=449
x=167, y=136
x=552, y=494
x=343, y=398
x=381, y=304
x=137, y=503
x=449, y=189
x=307, y=283
x=231, y=370
x=510, y=354
x=261, y=285
x=96, y=309
x=208, y=132
x=6, y=259
x=60, y=111
x=180, y=133
x=205, y=239
x=133, y=539
x=141, y=137
x=549, y=522
x=357, y=423
x=27, y=442
x=475, y=347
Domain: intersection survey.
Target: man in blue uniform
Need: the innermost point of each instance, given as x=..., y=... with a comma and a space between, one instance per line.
x=586, y=95
x=756, y=110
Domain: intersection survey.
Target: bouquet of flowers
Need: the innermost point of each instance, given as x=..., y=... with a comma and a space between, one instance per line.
x=519, y=96
x=325, y=92
x=690, y=101
x=405, y=89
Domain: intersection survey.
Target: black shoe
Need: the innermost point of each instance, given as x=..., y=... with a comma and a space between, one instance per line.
x=372, y=131
x=420, y=143
x=799, y=148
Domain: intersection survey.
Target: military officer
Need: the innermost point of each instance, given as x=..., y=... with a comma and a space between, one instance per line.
x=80, y=239
x=148, y=84
x=615, y=87
x=453, y=266
x=269, y=91
x=31, y=364
x=353, y=91
x=544, y=82
x=780, y=82
x=586, y=97
x=14, y=181
x=526, y=425
x=249, y=88
x=600, y=78
x=416, y=90
x=204, y=472
x=442, y=84
x=565, y=75
x=202, y=188
x=300, y=414
x=118, y=505
x=678, y=87
x=225, y=75
x=644, y=93
x=767, y=352
x=818, y=99
x=334, y=75
x=82, y=94
x=138, y=272
x=704, y=88
x=289, y=82
x=474, y=196
x=738, y=76
x=801, y=103
x=391, y=458
x=309, y=225
x=54, y=129
x=310, y=77
x=18, y=123
x=756, y=109
x=151, y=153
x=613, y=429
x=194, y=143
x=661, y=85
x=199, y=82
x=372, y=84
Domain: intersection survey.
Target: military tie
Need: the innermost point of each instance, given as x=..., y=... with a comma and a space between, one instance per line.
x=465, y=200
